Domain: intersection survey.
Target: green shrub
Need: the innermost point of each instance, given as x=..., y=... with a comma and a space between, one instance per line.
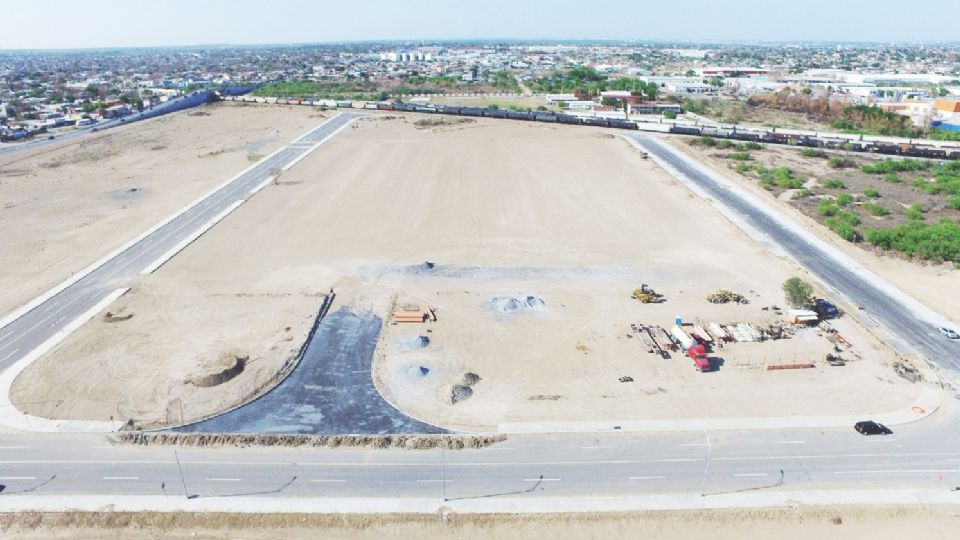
x=875, y=209
x=838, y=162
x=740, y=156
x=708, y=141
x=915, y=212
x=843, y=229
x=833, y=183
x=827, y=208
x=844, y=199
x=870, y=192
x=954, y=202
x=848, y=217
x=802, y=193
x=742, y=168
x=723, y=143
x=812, y=152
x=938, y=242
x=750, y=145
x=783, y=177
x=896, y=165
x=892, y=178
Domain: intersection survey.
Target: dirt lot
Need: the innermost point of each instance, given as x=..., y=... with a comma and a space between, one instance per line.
x=66, y=205
x=925, y=281
x=738, y=112
x=572, y=217
x=800, y=523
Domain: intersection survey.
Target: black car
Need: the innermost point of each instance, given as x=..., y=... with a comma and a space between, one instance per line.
x=869, y=427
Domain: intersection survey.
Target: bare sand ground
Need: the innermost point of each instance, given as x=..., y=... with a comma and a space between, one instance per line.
x=571, y=216
x=64, y=206
x=799, y=523
x=925, y=282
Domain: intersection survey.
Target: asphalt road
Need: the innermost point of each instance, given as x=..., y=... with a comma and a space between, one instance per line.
x=888, y=311
x=330, y=392
x=554, y=465
x=33, y=328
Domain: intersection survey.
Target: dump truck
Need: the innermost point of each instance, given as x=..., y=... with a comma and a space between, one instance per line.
x=698, y=353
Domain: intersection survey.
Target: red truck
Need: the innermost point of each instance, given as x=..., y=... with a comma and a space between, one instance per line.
x=698, y=353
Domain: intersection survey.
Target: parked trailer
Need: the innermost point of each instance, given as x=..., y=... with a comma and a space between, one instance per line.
x=682, y=338
x=698, y=353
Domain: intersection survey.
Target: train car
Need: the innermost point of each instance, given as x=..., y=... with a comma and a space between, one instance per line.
x=684, y=130
x=595, y=121
x=520, y=115
x=622, y=124
x=569, y=119
x=495, y=113
x=471, y=111
x=384, y=106
x=425, y=109
x=545, y=117
x=448, y=109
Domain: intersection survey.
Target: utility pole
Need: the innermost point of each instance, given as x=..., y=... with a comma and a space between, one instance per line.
x=443, y=469
x=180, y=470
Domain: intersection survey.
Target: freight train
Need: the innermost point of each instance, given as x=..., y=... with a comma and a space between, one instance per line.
x=771, y=137
x=760, y=136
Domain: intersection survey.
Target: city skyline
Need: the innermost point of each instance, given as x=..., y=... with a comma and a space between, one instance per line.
x=246, y=23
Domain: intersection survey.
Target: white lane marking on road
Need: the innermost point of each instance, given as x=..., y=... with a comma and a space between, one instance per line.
x=675, y=460
x=647, y=477
x=790, y=442
x=695, y=444
x=326, y=480
x=541, y=479
x=261, y=185
x=434, y=481
x=222, y=479
x=592, y=447
x=15, y=351
x=898, y=471
x=121, y=477
x=8, y=478
x=752, y=474
x=190, y=238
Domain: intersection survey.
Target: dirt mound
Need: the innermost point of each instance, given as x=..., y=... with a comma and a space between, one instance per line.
x=460, y=393
x=509, y=304
x=409, y=442
x=470, y=379
x=220, y=377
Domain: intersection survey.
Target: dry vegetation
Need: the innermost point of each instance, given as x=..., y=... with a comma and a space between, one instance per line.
x=793, y=523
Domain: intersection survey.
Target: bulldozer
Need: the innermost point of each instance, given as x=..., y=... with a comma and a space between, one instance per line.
x=646, y=295
x=723, y=296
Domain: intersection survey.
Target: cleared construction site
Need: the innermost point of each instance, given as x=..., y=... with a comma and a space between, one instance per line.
x=505, y=274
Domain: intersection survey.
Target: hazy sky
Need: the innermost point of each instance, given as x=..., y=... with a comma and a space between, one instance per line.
x=115, y=23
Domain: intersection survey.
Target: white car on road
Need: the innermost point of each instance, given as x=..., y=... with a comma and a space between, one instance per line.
x=951, y=334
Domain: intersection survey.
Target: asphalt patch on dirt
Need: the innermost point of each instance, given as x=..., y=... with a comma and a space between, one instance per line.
x=330, y=392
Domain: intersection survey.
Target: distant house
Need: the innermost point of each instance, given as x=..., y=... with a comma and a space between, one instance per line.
x=115, y=111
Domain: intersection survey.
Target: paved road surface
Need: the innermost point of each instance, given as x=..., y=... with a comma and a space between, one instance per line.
x=33, y=328
x=559, y=465
x=890, y=312
x=330, y=392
